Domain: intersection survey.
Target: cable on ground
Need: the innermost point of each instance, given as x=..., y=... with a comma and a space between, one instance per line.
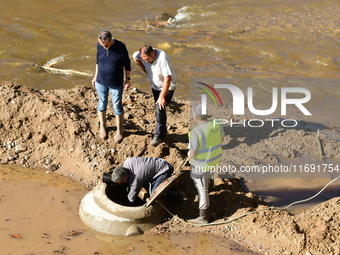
x=252, y=212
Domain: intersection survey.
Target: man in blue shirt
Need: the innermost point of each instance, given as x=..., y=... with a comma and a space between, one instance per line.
x=112, y=60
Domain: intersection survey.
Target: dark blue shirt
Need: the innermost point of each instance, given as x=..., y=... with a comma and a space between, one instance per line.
x=112, y=63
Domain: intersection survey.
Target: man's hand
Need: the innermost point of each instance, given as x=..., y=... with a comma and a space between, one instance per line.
x=161, y=103
x=161, y=99
x=94, y=82
x=127, y=85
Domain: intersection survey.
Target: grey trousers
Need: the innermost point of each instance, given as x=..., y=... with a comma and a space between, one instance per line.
x=202, y=186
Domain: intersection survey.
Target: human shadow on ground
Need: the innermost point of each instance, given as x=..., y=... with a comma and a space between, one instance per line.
x=226, y=198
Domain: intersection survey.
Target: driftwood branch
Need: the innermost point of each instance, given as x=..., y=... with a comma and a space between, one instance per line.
x=49, y=64
x=66, y=71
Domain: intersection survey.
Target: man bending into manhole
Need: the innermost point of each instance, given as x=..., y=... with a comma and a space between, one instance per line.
x=139, y=171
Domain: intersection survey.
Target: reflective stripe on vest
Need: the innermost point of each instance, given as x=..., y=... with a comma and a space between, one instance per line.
x=209, y=152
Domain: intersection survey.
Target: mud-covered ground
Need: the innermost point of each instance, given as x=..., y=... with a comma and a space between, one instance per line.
x=58, y=130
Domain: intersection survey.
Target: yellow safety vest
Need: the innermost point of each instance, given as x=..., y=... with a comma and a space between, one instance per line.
x=209, y=151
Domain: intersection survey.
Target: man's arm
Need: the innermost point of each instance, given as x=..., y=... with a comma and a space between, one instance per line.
x=193, y=145
x=192, y=153
x=95, y=76
x=133, y=193
x=166, y=85
x=127, y=83
x=140, y=64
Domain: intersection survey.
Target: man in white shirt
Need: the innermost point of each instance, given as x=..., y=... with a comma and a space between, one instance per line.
x=156, y=64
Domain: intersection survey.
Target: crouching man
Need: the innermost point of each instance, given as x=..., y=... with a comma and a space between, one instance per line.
x=139, y=171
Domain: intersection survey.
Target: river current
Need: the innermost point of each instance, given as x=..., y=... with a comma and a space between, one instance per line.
x=212, y=40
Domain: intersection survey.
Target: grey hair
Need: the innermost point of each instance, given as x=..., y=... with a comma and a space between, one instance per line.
x=105, y=36
x=120, y=174
x=197, y=112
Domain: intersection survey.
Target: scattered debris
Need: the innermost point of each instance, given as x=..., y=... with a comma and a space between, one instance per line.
x=16, y=236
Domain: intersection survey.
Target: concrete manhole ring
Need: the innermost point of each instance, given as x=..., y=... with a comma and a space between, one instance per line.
x=100, y=213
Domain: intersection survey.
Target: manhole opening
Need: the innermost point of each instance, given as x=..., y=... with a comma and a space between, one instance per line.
x=118, y=193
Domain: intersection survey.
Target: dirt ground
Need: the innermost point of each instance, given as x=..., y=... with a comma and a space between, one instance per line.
x=58, y=130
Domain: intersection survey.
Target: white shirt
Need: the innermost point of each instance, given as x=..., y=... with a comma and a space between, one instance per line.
x=158, y=69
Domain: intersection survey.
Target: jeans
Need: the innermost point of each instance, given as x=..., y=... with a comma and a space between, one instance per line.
x=168, y=195
x=161, y=113
x=161, y=179
x=103, y=95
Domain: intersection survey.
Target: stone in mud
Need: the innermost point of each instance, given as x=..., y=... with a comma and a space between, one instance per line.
x=52, y=167
x=20, y=148
x=128, y=116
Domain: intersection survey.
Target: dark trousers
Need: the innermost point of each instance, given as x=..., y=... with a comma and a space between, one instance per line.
x=170, y=194
x=161, y=113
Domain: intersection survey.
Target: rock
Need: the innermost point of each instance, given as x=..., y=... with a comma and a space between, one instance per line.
x=48, y=161
x=51, y=167
x=128, y=116
x=3, y=161
x=20, y=148
x=11, y=158
x=144, y=121
x=43, y=139
x=28, y=136
x=135, y=90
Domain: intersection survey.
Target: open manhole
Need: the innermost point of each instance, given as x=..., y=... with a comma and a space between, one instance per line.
x=103, y=210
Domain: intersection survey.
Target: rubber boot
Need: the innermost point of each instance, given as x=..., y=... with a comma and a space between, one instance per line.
x=120, y=132
x=102, y=125
x=202, y=219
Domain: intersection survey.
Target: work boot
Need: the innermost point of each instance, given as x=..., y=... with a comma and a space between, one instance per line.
x=156, y=140
x=102, y=124
x=120, y=132
x=202, y=219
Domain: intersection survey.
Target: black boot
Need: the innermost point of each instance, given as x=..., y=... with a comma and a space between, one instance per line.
x=202, y=219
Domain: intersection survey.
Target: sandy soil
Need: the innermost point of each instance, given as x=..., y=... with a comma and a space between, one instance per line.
x=58, y=130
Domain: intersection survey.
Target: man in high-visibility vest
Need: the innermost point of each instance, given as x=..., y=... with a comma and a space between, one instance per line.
x=205, y=152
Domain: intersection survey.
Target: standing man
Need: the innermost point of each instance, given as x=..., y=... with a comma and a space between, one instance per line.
x=156, y=64
x=139, y=171
x=112, y=60
x=205, y=152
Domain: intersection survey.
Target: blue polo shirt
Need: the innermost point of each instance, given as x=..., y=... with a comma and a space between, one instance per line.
x=112, y=63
